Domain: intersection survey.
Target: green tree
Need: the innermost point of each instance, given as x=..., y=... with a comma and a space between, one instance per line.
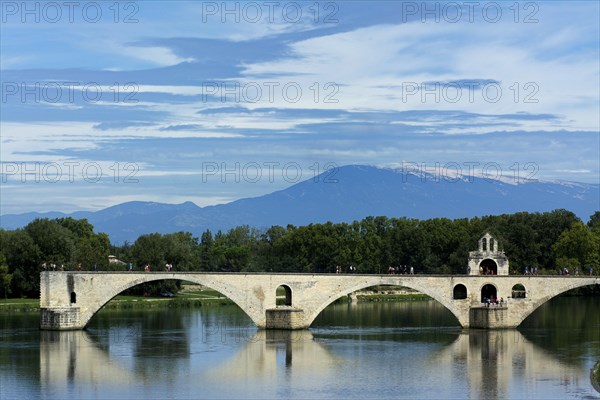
x=5, y=276
x=549, y=226
x=181, y=251
x=149, y=249
x=23, y=257
x=207, y=258
x=55, y=242
x=78, y=227
x=371, y=246
x=92, y=251
x=577, y=243
x=594, y=222
x=235, y=249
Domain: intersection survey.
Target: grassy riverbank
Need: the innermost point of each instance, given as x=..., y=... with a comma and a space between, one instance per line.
x=388, y=293
x=19, y=305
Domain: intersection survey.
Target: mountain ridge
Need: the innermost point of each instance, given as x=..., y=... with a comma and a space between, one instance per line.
x=352, y=193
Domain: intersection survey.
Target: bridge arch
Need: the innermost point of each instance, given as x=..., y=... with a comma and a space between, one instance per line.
x=110, y=292
x=570, y=284
x=443, y=298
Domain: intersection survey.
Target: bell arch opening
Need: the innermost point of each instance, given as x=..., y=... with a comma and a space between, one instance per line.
x=459, y=292
x=489, y=267
x=73, y=297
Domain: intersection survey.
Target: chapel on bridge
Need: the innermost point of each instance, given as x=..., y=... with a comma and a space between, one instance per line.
x=487, y=260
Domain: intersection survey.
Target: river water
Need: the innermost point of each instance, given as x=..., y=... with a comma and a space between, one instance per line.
x=353, y=351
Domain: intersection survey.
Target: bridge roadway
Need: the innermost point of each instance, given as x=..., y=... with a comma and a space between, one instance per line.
x=68, y=300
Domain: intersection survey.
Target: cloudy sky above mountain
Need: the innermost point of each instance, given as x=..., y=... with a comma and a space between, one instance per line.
x=106, y=102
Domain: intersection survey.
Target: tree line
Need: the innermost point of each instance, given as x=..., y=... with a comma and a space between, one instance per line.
x=547, y=241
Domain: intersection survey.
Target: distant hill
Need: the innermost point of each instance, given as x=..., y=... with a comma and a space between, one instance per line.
x=356, y=192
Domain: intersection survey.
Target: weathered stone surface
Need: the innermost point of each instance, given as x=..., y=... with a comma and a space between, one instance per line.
x=488, y=317
x=60, y=318
x=255, y=294
x=285, y=318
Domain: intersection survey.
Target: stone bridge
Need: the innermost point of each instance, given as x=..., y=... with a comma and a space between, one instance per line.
x=68, y=300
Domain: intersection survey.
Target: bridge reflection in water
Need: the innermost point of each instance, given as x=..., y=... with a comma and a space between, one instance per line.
x=494, y=358
x=489, y=361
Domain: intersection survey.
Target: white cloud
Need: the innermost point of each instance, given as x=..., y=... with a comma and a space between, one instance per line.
x=160, y=56
x=373, y=65
x=47, y=141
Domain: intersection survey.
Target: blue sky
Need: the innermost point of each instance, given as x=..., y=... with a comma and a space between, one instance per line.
x=106, y=102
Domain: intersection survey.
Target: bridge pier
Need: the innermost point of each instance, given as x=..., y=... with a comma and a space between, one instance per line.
x=286, y=318
x=60, y=319
x=489, y=318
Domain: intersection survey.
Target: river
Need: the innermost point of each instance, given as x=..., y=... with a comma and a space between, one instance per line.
x=353, y=351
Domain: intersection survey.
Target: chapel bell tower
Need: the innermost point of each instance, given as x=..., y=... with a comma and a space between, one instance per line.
x=487, y=260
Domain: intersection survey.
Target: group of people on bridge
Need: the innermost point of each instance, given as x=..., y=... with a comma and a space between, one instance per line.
x=486, y=271
x=531, y=271
x=404, y=270
x=560, y=271
x=53, y=267
x=351, y=269
x=493, y=301
x=168, y=267
x=566, y=271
